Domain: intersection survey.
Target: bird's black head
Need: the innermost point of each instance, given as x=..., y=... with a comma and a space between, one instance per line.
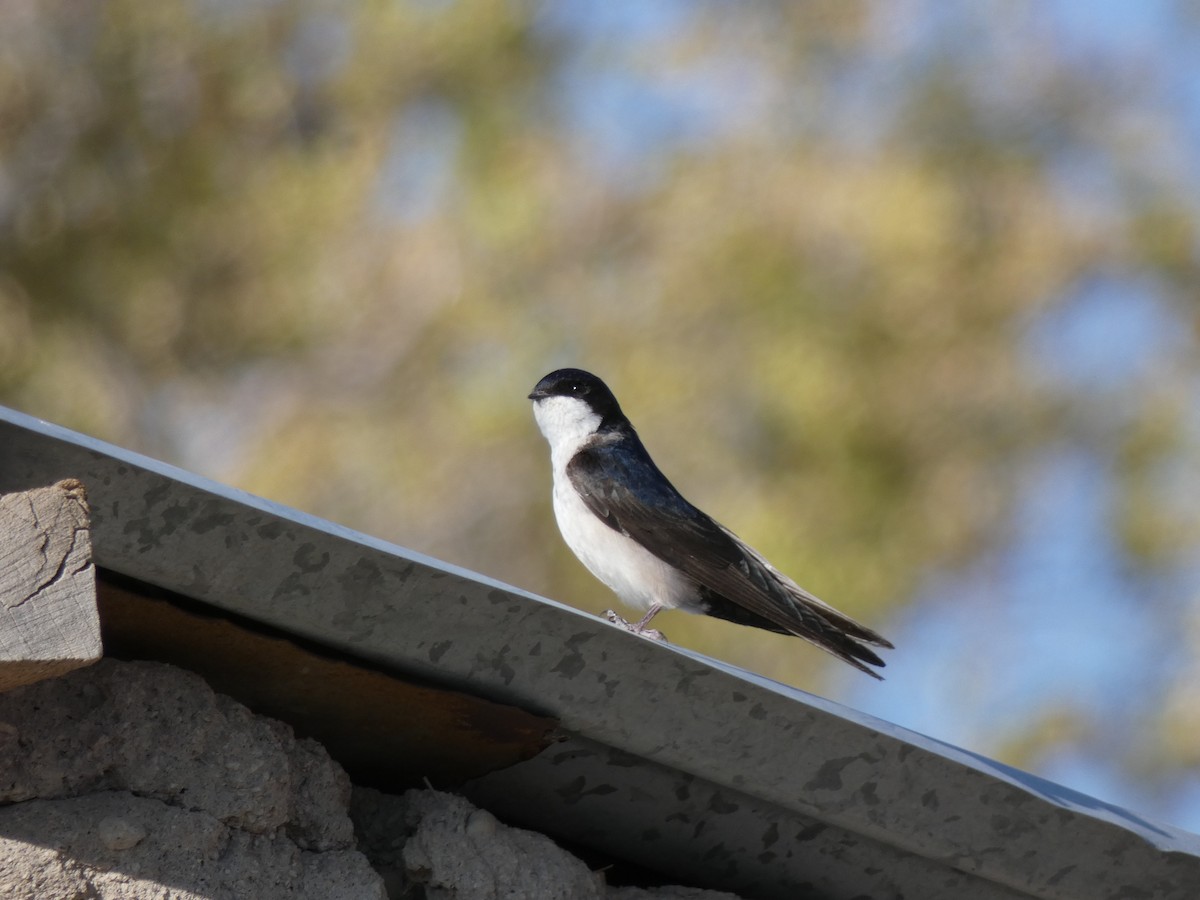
x=580, y=385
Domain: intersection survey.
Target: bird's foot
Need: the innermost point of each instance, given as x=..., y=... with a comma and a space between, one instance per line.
x=635, y=627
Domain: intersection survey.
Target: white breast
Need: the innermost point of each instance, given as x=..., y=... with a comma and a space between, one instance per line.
x=634, y=574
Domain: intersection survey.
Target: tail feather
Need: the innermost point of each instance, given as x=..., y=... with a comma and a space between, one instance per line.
x=735, y=582
x=812, y=624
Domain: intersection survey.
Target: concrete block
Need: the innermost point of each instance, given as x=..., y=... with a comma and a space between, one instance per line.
x=114, y=845
x=162, y=732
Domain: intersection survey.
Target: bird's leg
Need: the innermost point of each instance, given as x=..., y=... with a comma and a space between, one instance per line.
x=639, y=627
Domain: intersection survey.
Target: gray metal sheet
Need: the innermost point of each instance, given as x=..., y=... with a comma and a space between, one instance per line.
x=779, y=750
x=649, y=814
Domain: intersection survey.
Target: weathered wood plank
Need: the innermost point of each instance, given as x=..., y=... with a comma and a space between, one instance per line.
x=48, y=618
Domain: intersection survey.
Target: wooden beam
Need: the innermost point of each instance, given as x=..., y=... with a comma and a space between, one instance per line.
x=48, y=618
x=387, y=731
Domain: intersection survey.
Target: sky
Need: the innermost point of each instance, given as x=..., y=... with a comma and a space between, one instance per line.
x=1063, y=611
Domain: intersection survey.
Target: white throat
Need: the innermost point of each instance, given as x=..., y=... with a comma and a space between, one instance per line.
x=636, y=576
x=566, y=422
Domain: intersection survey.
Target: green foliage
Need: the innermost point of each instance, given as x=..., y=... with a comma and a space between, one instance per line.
x=819, y=335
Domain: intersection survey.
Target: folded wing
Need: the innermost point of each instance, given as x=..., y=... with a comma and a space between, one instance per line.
x=613, y=478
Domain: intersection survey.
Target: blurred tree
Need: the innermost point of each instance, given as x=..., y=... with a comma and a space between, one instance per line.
x=322, y=249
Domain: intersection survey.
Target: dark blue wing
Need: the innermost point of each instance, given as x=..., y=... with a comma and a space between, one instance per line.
x=620, y=484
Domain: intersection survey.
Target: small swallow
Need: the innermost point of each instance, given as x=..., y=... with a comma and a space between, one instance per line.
x=636, y=533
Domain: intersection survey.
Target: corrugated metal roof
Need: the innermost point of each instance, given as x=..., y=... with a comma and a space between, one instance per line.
x=677, y=762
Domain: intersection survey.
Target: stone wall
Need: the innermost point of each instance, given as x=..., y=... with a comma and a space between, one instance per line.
x=131, y=780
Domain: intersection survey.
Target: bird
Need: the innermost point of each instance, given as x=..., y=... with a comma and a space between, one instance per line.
x=636, y=533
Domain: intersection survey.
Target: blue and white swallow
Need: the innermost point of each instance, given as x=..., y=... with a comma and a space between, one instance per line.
x=637, y=534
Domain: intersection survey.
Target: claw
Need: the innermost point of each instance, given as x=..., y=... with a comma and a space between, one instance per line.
x=638, y=627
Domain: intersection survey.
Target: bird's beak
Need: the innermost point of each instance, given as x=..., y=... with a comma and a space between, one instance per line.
x=536, y=394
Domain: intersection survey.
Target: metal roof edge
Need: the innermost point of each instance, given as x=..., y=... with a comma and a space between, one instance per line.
x=662, y=703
